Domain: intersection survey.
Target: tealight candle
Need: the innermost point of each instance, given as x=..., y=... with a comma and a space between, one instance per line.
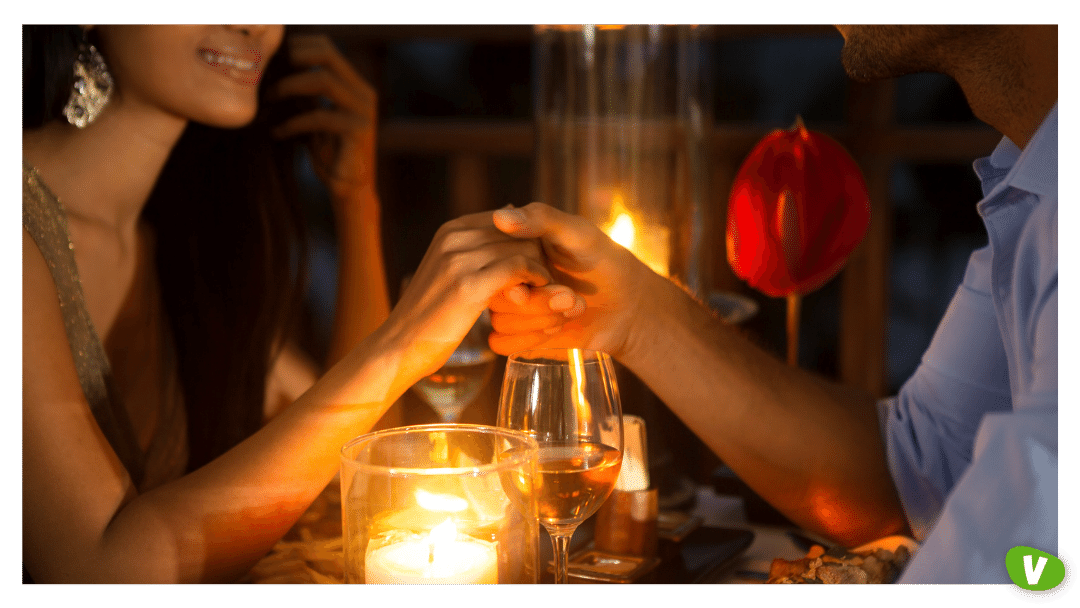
x=441, y=557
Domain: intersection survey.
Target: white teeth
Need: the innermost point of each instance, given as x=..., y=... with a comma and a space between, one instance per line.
x=226, y=60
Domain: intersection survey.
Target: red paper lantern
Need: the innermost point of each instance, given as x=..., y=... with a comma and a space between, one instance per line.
x=798, y=208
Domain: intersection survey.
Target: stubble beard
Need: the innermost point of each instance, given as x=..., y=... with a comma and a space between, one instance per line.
x=984, y=59
x=876, y=52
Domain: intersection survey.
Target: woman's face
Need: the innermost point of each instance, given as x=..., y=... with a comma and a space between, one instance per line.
x=204, y=73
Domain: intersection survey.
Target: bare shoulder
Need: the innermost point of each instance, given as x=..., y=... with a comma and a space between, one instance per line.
x=43, y=324
x=57, y=424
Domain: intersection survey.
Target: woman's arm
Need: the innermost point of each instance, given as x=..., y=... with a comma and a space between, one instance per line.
x=362, y=299
x=83, y=520
x=343, y=149
x=342, y=134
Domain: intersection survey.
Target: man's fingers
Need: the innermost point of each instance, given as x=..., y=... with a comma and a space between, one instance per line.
x=537, y=220
x=509, y=344
x=517, y=295
x=540, y=301
x=515, y=223
x=468, y=239
x=509, y=323
x=480, y=219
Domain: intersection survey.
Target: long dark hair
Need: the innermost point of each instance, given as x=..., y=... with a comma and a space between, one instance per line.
x=230, y=245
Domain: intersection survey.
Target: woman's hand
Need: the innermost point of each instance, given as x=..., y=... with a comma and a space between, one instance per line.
x=468, y=263
x=611, y=288
x=342, y=130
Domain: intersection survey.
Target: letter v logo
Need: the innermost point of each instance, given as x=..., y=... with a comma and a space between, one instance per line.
x=1033, y=574
x=1034, y=570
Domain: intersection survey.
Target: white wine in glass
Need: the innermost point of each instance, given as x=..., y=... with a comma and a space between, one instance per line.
x=566, y=399
x=453, y=387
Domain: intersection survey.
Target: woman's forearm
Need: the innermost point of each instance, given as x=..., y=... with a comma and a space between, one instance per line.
x=215, y=523
x=363, y=301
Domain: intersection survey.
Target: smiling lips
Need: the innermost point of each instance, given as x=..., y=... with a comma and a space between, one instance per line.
x=239, y=65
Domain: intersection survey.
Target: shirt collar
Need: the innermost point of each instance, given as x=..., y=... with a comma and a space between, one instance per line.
x=1033, y=169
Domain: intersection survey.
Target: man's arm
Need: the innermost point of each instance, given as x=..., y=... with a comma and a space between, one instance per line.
x=811, y=448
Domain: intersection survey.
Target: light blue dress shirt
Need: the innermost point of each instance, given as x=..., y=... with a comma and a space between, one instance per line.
x=971, y=437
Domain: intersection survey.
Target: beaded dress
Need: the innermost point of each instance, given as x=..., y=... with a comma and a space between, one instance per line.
x=166, y=456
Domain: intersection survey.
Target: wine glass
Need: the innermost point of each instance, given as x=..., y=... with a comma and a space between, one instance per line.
x=567, y=399
x=450, y=389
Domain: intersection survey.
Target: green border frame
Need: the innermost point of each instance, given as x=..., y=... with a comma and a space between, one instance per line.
x=489, y=11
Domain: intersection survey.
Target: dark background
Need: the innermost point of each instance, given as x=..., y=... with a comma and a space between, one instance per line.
x=762, y=78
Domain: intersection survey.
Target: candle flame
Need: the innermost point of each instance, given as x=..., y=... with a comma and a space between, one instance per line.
x=621, y=227
x=622, y=230
x=440, y=502
x=649, y=243
x=440, y=535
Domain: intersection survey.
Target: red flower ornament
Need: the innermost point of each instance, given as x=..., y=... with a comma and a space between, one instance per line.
x=798, y=208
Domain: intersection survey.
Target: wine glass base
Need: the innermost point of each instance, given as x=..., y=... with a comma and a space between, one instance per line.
x=591, y=565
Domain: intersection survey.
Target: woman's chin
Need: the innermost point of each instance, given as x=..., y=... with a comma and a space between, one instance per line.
x=227, y=116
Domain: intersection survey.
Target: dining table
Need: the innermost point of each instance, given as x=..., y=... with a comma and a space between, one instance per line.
x=717, y=544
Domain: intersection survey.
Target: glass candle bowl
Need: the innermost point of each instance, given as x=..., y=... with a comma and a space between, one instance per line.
x=440, y=504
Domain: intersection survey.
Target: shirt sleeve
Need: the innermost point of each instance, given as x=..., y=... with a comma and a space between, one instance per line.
x=1007, y=497
x=930, y=426
x=971, y=441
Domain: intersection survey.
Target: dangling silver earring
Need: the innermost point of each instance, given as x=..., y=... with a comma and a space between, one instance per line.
x=93, y=86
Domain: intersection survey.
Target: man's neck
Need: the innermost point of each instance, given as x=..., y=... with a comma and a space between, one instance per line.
x=1013, y=87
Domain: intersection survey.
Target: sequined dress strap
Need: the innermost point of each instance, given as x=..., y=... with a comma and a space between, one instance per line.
x=44, y=220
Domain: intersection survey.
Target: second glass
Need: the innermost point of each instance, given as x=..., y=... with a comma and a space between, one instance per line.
x=568, y=400
x=454, y=386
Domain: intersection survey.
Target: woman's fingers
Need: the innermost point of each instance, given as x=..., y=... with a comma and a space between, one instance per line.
x=327, y=84
x=505, y=272
x=317, y=50
x=321, y=121
x=478, y=258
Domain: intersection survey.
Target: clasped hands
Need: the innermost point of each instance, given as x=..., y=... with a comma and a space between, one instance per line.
x=550, y=279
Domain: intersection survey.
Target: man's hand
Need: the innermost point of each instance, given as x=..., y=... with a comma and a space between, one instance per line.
x=598, y=289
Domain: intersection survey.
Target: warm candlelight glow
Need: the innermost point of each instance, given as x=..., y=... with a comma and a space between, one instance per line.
x=649, y=243
x=634, y=474
x=440, y=502
x=442, y=556
x=577, y=372
x=442, y=534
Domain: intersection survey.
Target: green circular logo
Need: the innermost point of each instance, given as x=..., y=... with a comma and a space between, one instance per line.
x=1039, y=577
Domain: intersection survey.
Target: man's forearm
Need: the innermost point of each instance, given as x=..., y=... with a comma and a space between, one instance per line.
x=809, y=447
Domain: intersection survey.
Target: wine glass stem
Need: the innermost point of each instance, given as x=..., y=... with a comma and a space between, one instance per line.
x=560, y=546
